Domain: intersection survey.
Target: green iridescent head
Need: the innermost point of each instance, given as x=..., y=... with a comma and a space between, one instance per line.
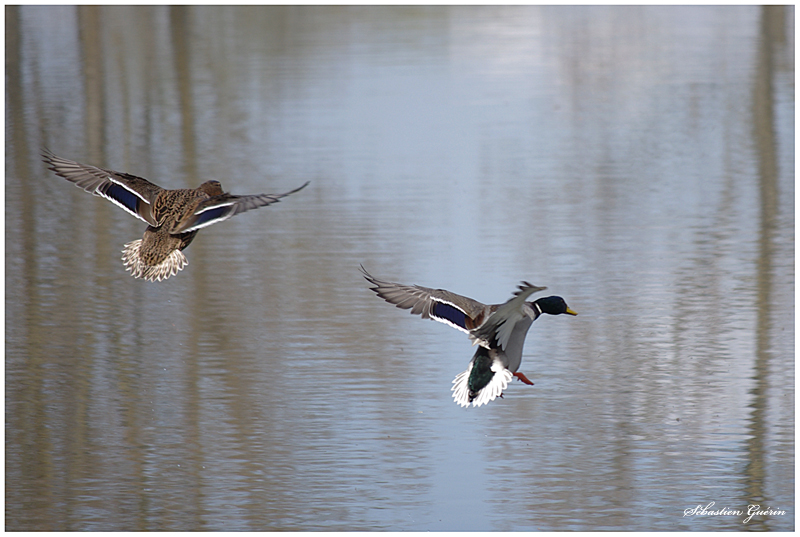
x=554, y=305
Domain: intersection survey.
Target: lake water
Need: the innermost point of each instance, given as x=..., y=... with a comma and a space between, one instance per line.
x=638, y=161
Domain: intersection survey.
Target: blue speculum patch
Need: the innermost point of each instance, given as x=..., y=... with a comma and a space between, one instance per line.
x=450, y=313
x=122, y=195
x=210, y=215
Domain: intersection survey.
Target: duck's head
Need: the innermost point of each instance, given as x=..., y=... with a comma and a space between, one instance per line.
x=212, y=188
x=554, y=305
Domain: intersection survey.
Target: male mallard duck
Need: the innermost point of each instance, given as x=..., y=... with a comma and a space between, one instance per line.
x=498, y=329
x=173, y=216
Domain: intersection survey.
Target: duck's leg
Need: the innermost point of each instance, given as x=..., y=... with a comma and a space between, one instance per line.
x=521, y=376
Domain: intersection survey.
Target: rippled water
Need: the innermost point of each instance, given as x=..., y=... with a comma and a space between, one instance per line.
x=637, y=161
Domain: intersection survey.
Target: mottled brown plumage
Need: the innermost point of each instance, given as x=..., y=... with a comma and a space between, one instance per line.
x=173, y=216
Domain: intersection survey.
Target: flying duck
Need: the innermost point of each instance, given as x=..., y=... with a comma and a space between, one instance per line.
x=499, y=330
x=173, y=216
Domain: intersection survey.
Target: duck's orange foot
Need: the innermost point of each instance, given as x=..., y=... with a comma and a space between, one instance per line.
x=523, y=378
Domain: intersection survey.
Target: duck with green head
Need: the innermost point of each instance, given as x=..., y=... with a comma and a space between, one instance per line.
x=499, y=330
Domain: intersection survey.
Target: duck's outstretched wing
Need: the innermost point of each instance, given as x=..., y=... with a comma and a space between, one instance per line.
x=498, y=327
x=133, y=194
x=218, y=208
x=449, y=308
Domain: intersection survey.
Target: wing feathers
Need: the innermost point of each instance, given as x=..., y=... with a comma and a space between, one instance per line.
x=132, y=194
x=448, y=313
x=129, y=200
x=136, y=195
x=498, y=327
x=449, y=308
x=218, y=208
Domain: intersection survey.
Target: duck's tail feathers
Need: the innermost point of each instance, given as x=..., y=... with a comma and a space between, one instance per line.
x=464, y=395
x=132, y=258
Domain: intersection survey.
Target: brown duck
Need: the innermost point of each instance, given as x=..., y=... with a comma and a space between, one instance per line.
x=173, y=216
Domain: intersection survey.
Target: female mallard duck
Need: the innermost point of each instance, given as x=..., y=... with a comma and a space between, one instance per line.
x=498, y=329
x=173, y=216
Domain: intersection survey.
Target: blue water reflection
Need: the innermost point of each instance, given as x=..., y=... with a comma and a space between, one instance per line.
x=636, y=160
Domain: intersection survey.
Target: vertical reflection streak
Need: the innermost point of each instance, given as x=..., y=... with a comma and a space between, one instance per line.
x=772, y=23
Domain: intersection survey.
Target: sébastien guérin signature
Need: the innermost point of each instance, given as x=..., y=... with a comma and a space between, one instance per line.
x=752, y=510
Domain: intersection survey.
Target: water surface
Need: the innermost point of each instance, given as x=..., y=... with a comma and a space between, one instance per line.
x=638, y=161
